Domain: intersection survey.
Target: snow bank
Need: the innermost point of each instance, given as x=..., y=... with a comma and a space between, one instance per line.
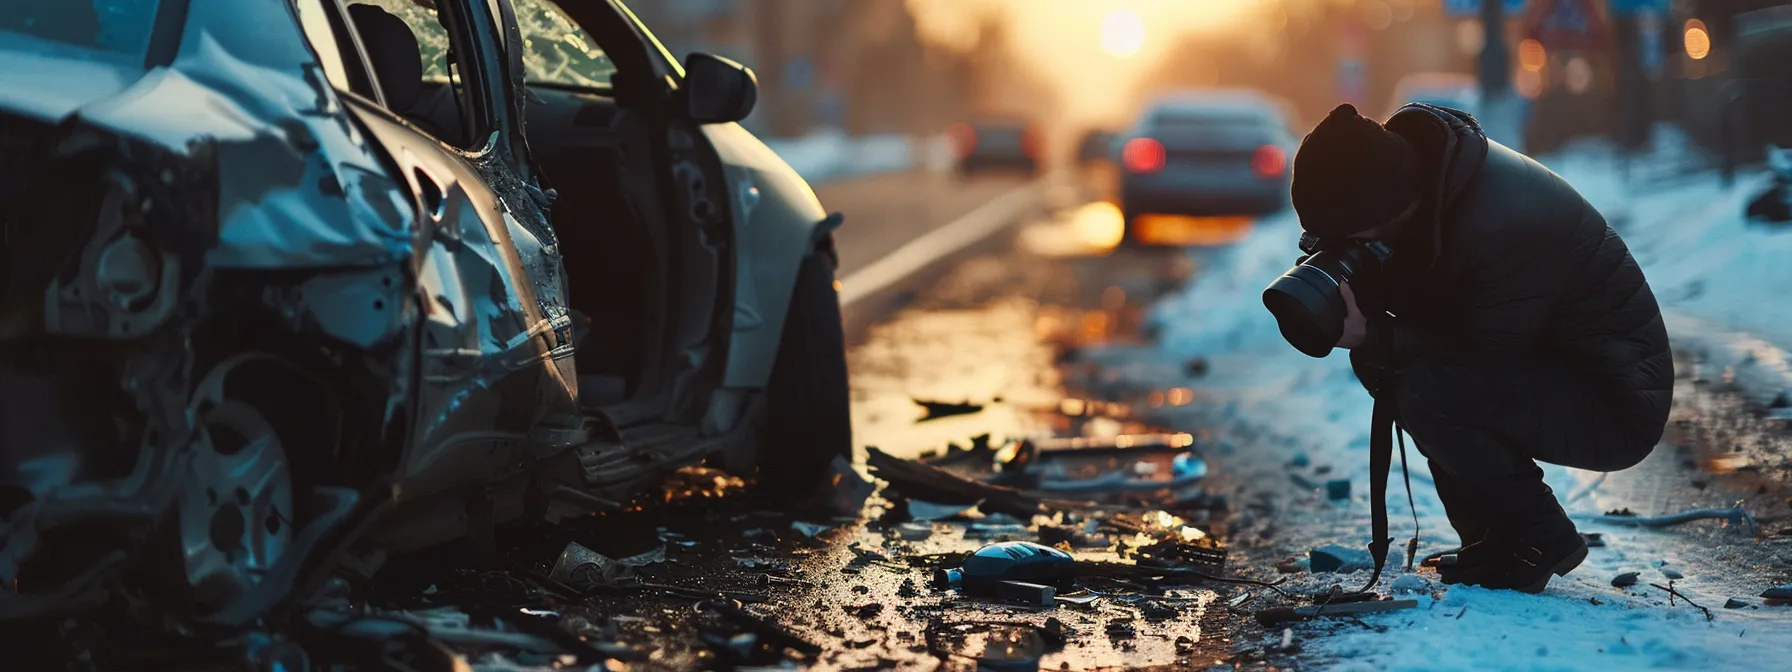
x=828, y=155
x=1707, y=266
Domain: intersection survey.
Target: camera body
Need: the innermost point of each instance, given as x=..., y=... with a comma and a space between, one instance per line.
x=1307, y=301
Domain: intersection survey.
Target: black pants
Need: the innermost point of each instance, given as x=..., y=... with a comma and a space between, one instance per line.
x=1485, y=421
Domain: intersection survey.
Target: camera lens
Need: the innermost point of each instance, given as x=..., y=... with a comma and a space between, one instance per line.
x=1308, y=308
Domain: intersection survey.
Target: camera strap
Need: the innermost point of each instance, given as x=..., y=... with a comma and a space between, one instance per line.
x=1382, y=434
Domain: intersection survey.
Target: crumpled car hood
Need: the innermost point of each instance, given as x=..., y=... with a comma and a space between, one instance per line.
x=299, y=185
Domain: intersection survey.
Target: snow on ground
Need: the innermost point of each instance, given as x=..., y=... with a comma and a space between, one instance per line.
x=829, y=155
x=1703, y=261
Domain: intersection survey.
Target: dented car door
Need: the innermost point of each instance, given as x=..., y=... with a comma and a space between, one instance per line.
x=496, y=389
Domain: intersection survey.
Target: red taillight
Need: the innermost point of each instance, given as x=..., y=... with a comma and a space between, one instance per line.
x=1269, y=161
x=1029, y=142
x=963, y=137
x=1142, y=155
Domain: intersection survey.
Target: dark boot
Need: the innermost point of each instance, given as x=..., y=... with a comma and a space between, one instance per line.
x=1469, y=562
x=1542, y=540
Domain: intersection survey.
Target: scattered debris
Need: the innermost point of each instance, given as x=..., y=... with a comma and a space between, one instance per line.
x=914, y=531
x=1292, y=565
x=764, y=631
x=851, y=488
x=1736, y=603
x=1783, y=592
x=763, y=565
x=1671, y=573
x=1029, y=594
x=1155, y=610
x=1593, y=539
x=1285, y=614
x=1337, y=489
x=988, y=531
x=933, y=484
x=1081, y=598
x=1288, y=644
x=1735, y=515
x=1107, y=466
x=946, y=409
x=1344, y=559
x=578, y=565
x=920, y=511
x=1121, y=628
x=1674, y=593
x=1411, y=584
x=996, y=646
x=865, y=612
x=1625, y=580
x=809, y=529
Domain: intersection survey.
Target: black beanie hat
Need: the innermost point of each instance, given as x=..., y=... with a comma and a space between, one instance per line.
x=1351, y=174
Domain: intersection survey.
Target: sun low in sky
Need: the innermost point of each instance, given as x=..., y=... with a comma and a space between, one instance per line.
x=1095, y=49
x=1122, y=33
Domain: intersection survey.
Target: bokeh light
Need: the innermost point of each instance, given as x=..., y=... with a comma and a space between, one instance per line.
x=1698, y=39
x=1531, y=56
x=1529, y=83
x=1578, y=75
x=1122, y=34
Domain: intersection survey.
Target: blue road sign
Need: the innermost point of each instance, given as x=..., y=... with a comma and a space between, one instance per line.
x=1473, y=7
x=1636, y=6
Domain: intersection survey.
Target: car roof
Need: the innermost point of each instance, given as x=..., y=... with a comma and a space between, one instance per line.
x=1224, y=101
x=1241, y=100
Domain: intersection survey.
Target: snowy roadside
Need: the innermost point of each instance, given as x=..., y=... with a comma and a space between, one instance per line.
x=1272, y=412
x=832, y=155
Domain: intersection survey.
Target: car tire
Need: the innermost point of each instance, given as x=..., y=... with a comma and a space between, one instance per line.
x=808, y=409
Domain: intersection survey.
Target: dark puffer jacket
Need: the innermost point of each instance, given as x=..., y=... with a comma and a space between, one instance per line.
x=1507, y=258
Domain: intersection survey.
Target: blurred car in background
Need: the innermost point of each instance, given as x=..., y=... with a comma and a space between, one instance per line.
x=1097, y=145
x=1443, y=89
x=1215, y=152
x=996, y=144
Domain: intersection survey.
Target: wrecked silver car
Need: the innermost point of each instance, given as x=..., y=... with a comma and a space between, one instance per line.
x=295, y=283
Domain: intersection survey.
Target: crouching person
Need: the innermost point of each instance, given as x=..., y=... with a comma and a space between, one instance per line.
x=1503, y=324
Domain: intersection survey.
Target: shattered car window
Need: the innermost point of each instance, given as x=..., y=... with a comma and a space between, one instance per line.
x=120, y=27
x=557, y=51
x=432, y=38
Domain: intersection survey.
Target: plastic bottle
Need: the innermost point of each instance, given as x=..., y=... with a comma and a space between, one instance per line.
x=1022, y=561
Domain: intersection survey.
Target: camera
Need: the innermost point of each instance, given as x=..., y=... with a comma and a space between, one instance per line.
x=1306, y=300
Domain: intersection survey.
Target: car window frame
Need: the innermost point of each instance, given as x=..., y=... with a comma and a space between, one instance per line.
x=483, y=126
x=349, y=53
x=607, y=89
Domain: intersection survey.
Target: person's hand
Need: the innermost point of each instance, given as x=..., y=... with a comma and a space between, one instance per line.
x=1356, y=327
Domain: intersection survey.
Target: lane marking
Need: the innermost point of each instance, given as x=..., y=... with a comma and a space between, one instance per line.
x=976, y=225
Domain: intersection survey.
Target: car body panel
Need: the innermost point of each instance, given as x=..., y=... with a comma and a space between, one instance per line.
x=495, y=320
x=272, y=206
x=778, y=222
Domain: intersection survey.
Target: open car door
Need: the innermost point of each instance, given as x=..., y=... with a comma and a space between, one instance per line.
x=642, y=209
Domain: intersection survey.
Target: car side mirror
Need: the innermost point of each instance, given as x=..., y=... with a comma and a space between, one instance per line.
x=718, y=90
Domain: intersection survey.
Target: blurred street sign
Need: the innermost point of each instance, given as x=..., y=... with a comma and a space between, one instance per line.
x=1353, y=81
x=1473, y=7
x=1637, y=6
x=799, y=73
x=1566, y=24
x=1654, y=53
